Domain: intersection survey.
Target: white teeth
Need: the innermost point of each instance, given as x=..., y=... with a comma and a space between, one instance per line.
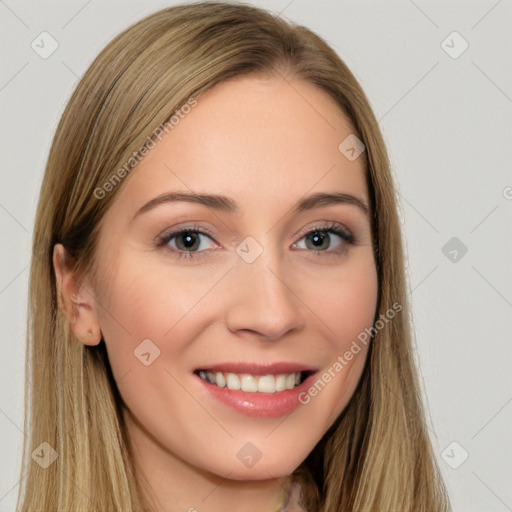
x=267, y=384
x=253, y=383
x=249, y=383
x=290, y=381
x=280, y=382
x=232, y=381
x=220, y=380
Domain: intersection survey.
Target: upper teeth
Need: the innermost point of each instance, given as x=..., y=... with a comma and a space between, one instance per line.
x=252, y=383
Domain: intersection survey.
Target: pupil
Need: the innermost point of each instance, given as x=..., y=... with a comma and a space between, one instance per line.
x=319, y=237
x=189, y=240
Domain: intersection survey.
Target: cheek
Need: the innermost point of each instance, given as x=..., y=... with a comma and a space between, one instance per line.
x=347, y=307
x=153, y=318
x=349, y=301
x=145, y=315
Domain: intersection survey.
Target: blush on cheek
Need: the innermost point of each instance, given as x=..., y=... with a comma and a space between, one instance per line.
x=351, y=311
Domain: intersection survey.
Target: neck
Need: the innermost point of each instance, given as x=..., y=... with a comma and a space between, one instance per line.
x=174, y=485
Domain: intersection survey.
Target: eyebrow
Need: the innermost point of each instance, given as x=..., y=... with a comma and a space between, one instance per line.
x=228, y=205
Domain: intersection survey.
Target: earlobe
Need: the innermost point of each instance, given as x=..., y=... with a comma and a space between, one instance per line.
x=74, y=300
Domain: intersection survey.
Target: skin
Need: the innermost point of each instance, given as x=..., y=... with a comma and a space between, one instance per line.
x=264, y=142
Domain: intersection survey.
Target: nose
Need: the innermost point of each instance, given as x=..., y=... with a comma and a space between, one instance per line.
x=263, y=300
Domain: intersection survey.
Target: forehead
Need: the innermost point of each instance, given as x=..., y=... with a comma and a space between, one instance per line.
x=255, y=139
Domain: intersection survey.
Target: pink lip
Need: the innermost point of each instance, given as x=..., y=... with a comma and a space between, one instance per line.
x=260, y=405
x=258, y=369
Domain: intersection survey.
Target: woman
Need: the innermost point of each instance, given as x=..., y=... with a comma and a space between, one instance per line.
x=220, y=317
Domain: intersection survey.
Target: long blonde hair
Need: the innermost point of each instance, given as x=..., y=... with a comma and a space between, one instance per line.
x=377, y=456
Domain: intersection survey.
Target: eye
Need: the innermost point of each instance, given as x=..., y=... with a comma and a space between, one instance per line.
x=185, y=242
x=320, y=239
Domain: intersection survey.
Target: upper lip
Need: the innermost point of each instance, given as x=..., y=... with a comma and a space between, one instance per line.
x=258, y=369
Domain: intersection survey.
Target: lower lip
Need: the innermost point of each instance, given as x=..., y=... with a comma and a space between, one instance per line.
x=260, y=405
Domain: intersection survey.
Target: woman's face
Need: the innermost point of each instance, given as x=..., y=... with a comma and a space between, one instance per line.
x=247, y=298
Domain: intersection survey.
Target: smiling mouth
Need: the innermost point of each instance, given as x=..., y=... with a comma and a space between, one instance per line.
x=254, y=383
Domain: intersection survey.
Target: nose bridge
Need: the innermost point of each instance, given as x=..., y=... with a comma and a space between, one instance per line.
x=263, y=300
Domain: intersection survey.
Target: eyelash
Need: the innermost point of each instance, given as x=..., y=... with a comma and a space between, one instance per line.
x=332, y=227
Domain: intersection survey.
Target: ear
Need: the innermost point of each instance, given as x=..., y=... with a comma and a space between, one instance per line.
x=74, y=300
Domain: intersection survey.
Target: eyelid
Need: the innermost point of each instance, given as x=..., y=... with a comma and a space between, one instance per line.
x=325, y=225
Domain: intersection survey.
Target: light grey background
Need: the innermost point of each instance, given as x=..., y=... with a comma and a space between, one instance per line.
x=447, y=122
